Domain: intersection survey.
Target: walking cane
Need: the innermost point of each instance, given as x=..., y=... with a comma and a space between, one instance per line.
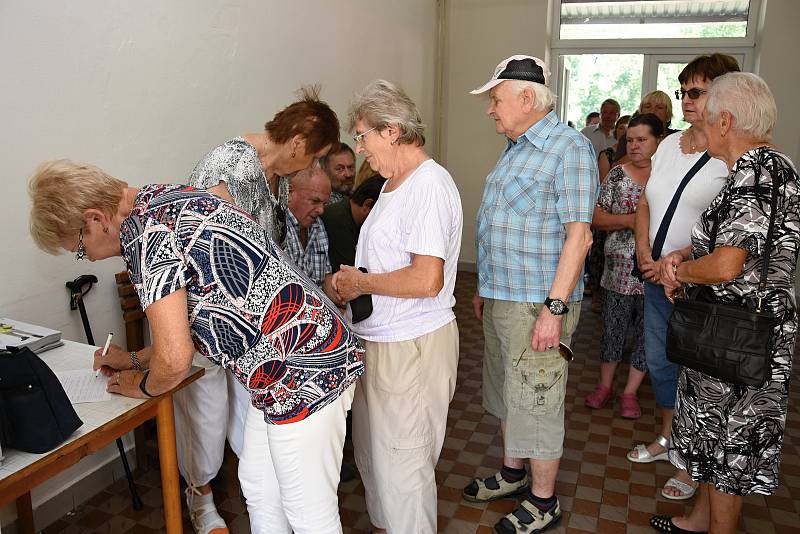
x=76, y=294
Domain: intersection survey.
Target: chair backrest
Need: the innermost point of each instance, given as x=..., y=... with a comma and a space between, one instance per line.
x=132, y=312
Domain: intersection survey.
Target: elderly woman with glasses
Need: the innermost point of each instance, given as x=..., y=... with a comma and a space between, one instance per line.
x=409, y=247
x=729, y=436
x=659, y=231
x=210, y=280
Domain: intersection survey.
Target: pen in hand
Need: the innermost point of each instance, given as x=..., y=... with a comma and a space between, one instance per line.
x=105, y=351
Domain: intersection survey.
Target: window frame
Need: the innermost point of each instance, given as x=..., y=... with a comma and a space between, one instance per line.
x=652, y=49
x=749, y=40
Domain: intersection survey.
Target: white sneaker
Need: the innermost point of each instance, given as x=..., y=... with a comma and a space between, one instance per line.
x=203, y=514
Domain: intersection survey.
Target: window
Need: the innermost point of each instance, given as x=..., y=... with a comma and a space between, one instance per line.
x=624, y=49
x=661, y=19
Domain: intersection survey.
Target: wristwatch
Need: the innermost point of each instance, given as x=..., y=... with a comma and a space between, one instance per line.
x=556, y=306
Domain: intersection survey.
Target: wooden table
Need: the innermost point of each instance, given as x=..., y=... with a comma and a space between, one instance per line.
x=104, y=422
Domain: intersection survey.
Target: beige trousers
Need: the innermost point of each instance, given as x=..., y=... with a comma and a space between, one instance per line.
x=399, y=422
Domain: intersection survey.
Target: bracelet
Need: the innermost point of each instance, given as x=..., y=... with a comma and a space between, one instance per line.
x=143, y=382
x=135, y=361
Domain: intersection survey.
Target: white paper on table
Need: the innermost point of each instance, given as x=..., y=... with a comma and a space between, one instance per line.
x=83, y=386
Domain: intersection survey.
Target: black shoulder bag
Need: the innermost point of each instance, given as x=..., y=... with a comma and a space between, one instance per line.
x=730, y=342
x=35, y=413
x=661, y=234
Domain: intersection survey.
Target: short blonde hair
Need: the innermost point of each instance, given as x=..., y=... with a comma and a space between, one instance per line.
x=61, y=191
x=658, y=97
x=383, y=103
x=748, y=99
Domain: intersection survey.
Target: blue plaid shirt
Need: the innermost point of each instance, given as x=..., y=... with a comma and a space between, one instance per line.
x=545, y=179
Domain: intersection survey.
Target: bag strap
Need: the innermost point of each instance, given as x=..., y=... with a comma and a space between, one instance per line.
x=661, y=234
x=762, y=284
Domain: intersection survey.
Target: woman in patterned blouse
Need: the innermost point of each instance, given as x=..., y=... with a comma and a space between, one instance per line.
x=210, y=280
x=623, y=309
x=729, y=437
x=252, y=172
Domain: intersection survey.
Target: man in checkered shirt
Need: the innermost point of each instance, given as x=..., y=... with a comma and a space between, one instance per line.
x=533, y=234
x=306, y=240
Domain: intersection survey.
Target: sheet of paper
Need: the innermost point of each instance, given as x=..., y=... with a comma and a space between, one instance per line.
x=82, y=386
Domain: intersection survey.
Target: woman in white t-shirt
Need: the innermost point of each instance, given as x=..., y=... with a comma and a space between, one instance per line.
x=409, y=247
x=675, y=156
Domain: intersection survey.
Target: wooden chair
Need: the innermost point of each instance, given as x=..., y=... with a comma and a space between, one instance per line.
x=134, y=318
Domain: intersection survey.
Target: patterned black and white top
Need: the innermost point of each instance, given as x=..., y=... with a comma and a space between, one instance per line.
x=726, y=435
x=250, y=310
x=236, y=163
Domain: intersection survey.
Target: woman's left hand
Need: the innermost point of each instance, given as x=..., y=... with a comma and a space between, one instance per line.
x=126, y=383
x=669, y=269
x=346, y=282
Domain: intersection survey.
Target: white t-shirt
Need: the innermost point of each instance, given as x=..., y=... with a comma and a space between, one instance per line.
x=423, y=216
x=669, y=166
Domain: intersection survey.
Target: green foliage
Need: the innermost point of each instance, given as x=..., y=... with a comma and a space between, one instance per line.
x=595, y=77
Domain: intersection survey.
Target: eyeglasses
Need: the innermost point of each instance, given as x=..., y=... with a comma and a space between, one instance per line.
x=693, y=93
x=80, y=252
x=359, y=139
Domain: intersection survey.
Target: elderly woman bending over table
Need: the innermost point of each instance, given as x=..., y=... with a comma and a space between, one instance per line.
x=210, y=279
x=728, y=437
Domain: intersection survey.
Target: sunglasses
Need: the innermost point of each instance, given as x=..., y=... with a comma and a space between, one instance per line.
x=693, y=93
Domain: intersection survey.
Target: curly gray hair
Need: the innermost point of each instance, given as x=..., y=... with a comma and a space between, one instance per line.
x=382, y=103
x=748, y=99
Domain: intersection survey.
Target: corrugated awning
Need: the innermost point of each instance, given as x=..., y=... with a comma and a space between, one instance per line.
x=653, y=11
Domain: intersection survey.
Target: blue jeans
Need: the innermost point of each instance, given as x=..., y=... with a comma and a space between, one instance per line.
x=663, y=373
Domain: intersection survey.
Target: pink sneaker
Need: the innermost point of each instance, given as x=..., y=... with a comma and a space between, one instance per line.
x=629, y=406
x=599, y=397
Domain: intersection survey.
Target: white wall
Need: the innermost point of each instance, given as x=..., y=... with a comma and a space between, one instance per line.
x=776, y=49
x=144, y=89
x=480, y=34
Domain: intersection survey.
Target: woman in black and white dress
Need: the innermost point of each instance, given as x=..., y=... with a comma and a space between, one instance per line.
x=729, y=437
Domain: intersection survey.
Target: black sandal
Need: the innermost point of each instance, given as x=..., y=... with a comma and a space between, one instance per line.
x=664, y=524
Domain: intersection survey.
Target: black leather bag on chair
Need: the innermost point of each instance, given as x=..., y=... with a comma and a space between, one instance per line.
x=35, y=413
x=731, y=342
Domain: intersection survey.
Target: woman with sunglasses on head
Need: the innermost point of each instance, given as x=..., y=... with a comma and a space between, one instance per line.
x=677, y=155
x=250, y=171
x=210, y=280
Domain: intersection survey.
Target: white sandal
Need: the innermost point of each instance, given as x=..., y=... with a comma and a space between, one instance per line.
x=203, y=514
x=686, y=489
x=643, y=456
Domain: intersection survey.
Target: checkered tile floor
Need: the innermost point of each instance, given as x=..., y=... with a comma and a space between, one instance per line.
x=599, y=490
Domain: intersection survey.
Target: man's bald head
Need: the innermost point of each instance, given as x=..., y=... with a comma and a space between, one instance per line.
x=309, y=190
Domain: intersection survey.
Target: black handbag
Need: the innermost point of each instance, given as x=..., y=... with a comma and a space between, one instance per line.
x=730, y=342
x=35, y=413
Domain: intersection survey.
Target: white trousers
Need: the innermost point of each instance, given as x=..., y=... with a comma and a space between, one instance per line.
x=290, y=473
x=206, y=412
x=399, y=422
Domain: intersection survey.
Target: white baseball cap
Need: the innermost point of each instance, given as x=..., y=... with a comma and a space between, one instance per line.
x=526, y=68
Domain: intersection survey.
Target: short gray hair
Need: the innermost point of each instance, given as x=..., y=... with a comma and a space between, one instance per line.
x=545, y=99
x=383, y=103
x=748, y=99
